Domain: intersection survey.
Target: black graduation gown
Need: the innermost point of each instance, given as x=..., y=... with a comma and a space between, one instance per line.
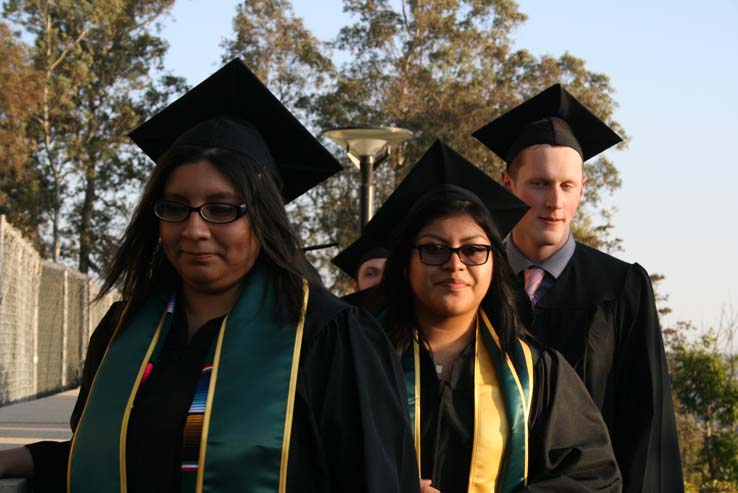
x=350, y=430
x=569, y=446
x=601, y=315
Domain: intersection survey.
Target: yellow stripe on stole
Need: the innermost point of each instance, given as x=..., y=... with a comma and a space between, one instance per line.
x=491, y=427
x=529, y=367
x=129, y=406
x=416, y=404
x=531, y=380
x=292, y=390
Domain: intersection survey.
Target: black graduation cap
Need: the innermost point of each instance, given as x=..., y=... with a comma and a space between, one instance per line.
x=553, y=117
x=441, y=165
x=232, y=109
x=364, y=248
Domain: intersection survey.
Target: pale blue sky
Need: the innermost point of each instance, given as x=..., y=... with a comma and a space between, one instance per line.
x=674, y=68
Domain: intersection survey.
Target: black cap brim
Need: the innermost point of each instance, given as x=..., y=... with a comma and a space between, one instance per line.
x=361, y=250
x=235, y=92
x=441, y=165
x=592, y=134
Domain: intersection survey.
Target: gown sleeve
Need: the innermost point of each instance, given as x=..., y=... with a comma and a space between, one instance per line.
x=570, y=445
x=644, y=431
x=50, y=458
x=352, y=431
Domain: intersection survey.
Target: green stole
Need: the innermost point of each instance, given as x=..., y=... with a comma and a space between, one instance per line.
x=248, y=415
x=503, y=385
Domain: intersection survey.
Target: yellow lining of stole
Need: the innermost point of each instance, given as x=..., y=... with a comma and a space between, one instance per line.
x=490, y=437
x=129, y=405
x=483, y=367
x=529, y=365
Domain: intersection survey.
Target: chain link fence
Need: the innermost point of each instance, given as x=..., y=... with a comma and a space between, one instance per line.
x=46, y=318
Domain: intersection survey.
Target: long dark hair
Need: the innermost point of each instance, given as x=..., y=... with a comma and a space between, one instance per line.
x=500, y=301
x=140, y=266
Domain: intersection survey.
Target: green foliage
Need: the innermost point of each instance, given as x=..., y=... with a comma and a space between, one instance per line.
x=705, y=387
x=722, y=455
x=282, y=52
x=443, y=69
x=20, y=96
x=660, y=298
x=703, y=380
x=95, y=60
x=295, y=66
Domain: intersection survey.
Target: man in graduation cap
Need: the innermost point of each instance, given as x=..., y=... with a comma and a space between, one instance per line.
x=363, y=261
x=595, y=309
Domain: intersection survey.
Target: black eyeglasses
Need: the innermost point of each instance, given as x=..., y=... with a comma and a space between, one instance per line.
x=213, y=212
x=438, y=254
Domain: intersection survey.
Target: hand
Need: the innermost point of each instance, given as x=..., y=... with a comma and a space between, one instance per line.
x=16, y=463
x=425, y=487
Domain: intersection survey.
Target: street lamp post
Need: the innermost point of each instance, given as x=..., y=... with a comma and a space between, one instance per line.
x=367, y=148
x=366, y=204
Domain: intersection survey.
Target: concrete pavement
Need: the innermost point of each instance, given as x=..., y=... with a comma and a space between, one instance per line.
x=40, y=419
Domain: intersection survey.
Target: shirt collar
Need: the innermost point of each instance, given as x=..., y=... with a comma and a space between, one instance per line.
x=554, y=264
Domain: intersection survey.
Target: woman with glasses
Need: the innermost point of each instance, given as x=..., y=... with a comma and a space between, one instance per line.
x=491, y=410
x=228, y=368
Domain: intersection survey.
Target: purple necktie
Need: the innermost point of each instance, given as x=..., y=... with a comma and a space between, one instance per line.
x=533, y=277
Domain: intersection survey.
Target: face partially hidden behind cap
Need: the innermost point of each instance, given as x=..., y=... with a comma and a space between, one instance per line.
x=369, y=273
x=544, y=142
x=363, y=261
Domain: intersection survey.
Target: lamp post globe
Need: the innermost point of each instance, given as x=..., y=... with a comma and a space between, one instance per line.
x=367, y=147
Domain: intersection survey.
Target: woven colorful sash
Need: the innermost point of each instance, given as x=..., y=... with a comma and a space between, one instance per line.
x=503, y=385
x=194, y=425
x=245, y=437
